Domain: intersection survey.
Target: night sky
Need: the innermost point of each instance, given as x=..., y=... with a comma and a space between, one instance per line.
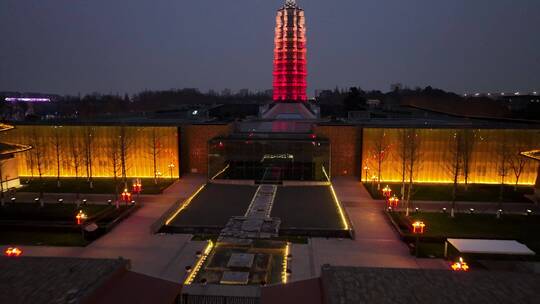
x=81, y=46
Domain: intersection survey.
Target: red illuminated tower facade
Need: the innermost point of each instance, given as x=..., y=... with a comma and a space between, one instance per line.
x=290, y=71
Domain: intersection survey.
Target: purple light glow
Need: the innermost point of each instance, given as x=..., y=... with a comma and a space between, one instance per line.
x=27, y=99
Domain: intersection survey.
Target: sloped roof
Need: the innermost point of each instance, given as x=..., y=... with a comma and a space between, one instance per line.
x=8, y=148
x=534, y=154
x=5, y=127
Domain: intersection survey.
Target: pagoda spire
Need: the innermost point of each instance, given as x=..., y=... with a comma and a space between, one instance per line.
x=290, y=3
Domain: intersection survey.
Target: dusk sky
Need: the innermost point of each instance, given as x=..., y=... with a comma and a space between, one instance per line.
x=72, y=46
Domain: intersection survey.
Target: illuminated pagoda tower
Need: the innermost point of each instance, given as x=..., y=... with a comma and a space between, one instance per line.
x=290, y=71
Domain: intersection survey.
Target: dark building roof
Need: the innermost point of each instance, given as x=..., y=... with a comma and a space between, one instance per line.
x=78, y=280
x=136, y=288
x=345, y=285
x=53, y=280
x=307, y=291
x=352, y=285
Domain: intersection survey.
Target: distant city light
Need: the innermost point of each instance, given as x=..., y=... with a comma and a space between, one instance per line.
x=516, y=93
x=26, y=99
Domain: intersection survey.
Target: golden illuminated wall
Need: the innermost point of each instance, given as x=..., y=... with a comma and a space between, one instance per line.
x=434, y=155
x=138, y=142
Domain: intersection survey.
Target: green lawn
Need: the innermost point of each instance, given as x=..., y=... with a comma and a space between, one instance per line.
x=443, y=192
x=49, y=212
x=40, y=238
x=52, y=224
x=101, y=185
x=517, y=227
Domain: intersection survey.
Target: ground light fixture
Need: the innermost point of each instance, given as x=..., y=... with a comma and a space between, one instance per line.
x=184, y=205
x=198, y=265
x=13, y=252
x=285, y=271
x=529, y=212
x=460, y=265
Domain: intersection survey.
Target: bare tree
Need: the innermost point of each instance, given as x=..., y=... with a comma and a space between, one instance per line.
x=518, y=142
x=124, y=146
x=30, y=164
x=76, y=161
x=2, y=199
x=503, y=156
x=469, y=141
x=88, y=154
x=57, y=142
x=413, y=162
x=402, y=157
x=114, y=152
x=38, y=156
x=155, y=151
x=379, y=153
x=455, y=163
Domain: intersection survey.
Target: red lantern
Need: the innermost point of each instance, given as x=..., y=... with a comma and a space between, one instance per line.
x=13, y=252
x=460, y=265
x=393, y=202
x=386, y=192
x=81, y=217
x=137, y=186
x=126, y=196
x=418, y=227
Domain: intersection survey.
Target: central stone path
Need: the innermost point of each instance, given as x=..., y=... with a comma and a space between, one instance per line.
x=262, y=202
x=256, y=223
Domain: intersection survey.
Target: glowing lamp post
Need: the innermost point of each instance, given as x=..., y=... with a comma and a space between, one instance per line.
x=366, y=168
x=137, y=187
x=460, y=265
x=13, y=252
x=126, y=196
x=386, y=191
x=171, y=167
x=81, y=217
x=418, y=229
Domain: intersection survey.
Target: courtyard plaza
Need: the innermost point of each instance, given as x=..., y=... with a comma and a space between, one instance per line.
x=376, y=243
x=159, y=255
x=165, y=256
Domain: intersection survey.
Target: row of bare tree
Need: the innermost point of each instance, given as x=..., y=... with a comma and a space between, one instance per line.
x=77, y=152
x=458, y=158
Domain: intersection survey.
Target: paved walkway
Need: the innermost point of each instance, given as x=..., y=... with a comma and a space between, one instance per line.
x=158, y=255
x=376, y=243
